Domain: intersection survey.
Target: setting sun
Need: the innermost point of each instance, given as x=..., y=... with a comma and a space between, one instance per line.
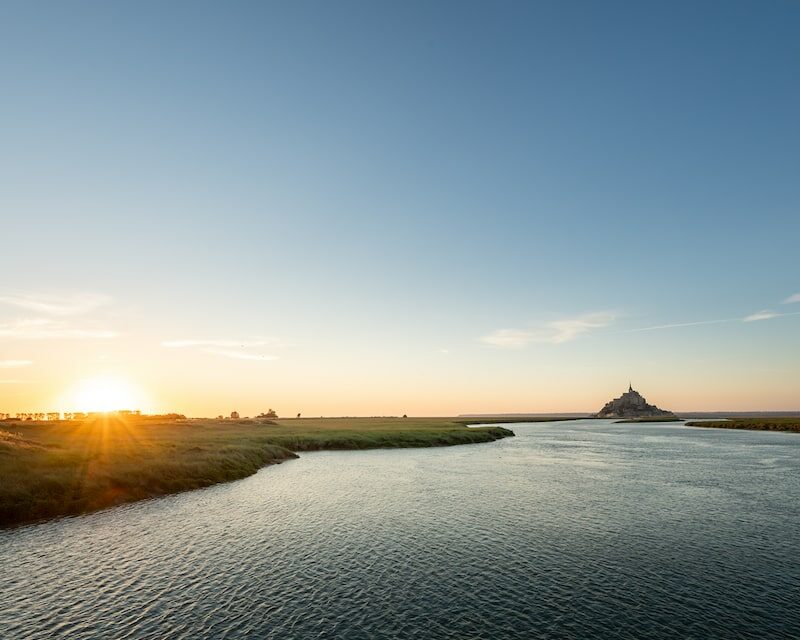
x=105, y=394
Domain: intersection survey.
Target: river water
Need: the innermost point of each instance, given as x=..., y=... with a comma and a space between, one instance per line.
x=570, y=530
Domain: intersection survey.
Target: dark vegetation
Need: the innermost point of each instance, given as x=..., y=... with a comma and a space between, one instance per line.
x=651, y=419
x=50, y=469
x=512, y=420
x=755, y=424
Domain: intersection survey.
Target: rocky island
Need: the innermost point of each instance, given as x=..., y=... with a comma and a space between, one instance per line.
x=631, y=404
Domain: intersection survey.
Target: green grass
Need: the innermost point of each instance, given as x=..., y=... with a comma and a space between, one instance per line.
x=51, y=469
x=755, y=424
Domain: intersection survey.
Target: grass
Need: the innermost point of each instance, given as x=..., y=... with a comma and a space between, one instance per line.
x=51, y=469
x=511, y=420
x=651, y=419
x=755, y=424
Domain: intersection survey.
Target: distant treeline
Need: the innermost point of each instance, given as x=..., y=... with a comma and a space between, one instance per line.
x=54, y=416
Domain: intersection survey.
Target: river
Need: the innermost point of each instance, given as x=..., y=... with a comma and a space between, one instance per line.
x=581, y=529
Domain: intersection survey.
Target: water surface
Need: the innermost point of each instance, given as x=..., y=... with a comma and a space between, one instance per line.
x=570, y=530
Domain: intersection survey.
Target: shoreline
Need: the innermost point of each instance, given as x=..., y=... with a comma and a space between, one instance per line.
x=780, y=424
x=64, y=469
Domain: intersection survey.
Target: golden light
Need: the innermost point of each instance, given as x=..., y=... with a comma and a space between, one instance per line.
x=105, y=394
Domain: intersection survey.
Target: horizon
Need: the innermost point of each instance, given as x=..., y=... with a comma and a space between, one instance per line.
x=432, y=210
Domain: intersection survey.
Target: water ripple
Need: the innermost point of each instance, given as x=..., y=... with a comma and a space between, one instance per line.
x=570, y=530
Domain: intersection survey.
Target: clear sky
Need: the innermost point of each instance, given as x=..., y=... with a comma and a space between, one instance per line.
x=356, y=208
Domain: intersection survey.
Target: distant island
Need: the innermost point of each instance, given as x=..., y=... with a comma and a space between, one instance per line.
x=632, y=404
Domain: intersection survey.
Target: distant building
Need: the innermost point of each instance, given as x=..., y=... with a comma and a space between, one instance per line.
x=630, y=404
x=234, y=415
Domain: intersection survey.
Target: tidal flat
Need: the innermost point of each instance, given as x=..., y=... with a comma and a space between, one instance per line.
x=52, y=469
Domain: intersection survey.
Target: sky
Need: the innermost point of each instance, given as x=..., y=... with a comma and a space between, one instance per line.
x=377, y=208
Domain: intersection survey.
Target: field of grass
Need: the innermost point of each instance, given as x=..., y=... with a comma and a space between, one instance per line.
x=652, y=419
x=512, y=420
x=755, y=424
x=50, y=469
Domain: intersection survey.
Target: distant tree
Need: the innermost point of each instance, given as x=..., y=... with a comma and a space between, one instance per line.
x=298, y=415
x=404, y=415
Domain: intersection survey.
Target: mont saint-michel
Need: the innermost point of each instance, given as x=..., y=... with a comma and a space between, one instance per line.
x=630, y=404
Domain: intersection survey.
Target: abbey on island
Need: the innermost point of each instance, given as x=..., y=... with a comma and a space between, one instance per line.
x=630, y=404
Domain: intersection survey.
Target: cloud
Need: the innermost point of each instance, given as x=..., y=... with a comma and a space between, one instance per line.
x=259, y=342
x=227, y=348
x=566, y=330
x=766, y=314
x=240, y=355
x=509, y=338
x=13, y=364
x=55, y=305
x=792, y=299
x=46, y=329
x=675, y=325
x=556, y=332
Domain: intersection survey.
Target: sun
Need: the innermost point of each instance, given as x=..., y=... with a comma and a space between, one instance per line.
x=105, y=394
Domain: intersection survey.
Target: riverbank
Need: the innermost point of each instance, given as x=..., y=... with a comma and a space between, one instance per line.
x=650, y=419
x=52, y=469
x=752, y=424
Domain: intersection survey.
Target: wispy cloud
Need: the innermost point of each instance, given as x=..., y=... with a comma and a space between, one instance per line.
x=240, y=355
x=46, y=329
x=676, y=325
x=255, y=342
x=792, y=299
x=509, y=338
x=571, y=328
x=228, y=348
x=14, y=364
x=55, y=305
x=766, y=314
x=555, y=332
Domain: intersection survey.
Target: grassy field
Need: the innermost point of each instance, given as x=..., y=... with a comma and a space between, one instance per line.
x=51, y=469
x=755, y=424
x=651, y=419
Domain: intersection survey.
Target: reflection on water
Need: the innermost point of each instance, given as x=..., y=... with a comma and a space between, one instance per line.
x=570, y=530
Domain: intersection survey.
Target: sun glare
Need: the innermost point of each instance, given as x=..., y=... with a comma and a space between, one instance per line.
x=105, y=394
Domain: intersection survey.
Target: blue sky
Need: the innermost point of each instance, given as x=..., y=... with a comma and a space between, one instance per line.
x=410, y=207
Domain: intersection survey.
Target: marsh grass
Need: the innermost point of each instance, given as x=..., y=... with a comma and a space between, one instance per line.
x=650, y=419
x=754, y=424
x=50, y=469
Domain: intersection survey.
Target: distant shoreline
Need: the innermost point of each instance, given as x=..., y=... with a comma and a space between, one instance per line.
x=784, y=423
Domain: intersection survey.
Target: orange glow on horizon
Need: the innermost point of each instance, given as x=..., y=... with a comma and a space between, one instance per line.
x=104, y=394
